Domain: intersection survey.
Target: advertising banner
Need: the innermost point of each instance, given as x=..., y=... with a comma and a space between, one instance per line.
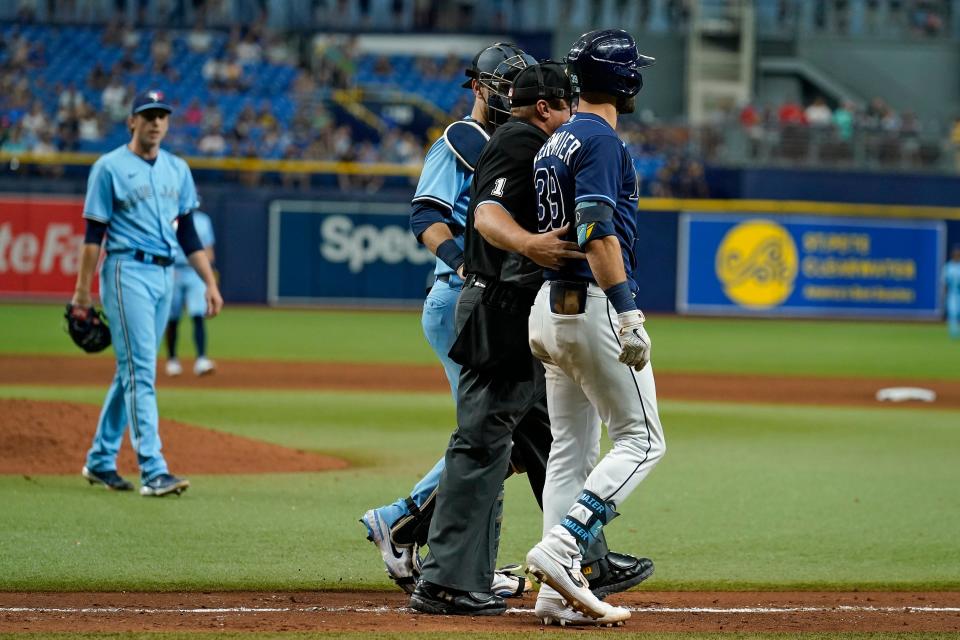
x=40, y=239
x=809, y=266
x=345, y=253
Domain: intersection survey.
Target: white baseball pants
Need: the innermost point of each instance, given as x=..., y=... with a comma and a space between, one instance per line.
x=586, y=384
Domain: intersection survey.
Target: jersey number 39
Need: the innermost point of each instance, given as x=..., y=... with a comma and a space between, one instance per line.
x=550, y=213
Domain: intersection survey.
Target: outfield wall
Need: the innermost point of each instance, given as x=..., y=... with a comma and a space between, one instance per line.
x=321, y=247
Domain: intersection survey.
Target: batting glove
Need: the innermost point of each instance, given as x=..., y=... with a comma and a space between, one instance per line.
x=634, y=341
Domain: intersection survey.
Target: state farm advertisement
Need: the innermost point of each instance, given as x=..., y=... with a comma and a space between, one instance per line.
x=40, y=240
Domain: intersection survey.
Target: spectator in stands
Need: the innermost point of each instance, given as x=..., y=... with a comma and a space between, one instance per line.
x=115, y=100
x=955, y=142
x=212, y=143
x=36, y=120
x=128, y=64
x=843, y=120
x=277, y=52
x=382, y=66
x=791, y=113
x=212, y=115
x=98, y=78
x=248, y=49
x=88, y=127
x=818, y=114
x=161, y=49
x=199, y=40
x=265, y=118
x=193, y=115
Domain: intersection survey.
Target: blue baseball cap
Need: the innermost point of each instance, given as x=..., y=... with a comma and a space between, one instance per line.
x=150, y=99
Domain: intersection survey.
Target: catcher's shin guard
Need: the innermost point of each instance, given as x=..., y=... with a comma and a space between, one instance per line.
x=412, y=529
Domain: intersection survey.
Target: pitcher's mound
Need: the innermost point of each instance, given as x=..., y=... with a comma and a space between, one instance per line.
x=53, y=438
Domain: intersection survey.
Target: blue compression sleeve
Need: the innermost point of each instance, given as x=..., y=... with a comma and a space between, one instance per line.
x=423, y=215
x=621, y=297
x=187, y=235
x=95, y=232
x=450, y=254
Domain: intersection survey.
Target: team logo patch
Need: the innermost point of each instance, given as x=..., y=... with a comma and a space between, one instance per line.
x=156, y=96
x=757, y=264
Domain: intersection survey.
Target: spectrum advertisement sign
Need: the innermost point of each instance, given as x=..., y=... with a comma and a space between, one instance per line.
x=345, y=253
x=809, y=266
x=40, y=240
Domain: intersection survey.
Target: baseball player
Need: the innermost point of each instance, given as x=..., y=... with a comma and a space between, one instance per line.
x=502, y=396
x=438, y=219
x=141, y=198
x=586, y=327
x=189, y=290
x=951, y=279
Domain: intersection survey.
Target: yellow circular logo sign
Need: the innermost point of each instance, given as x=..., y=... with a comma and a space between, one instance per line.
x=757, y=264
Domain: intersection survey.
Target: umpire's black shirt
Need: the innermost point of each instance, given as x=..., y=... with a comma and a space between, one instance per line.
x=504, y=176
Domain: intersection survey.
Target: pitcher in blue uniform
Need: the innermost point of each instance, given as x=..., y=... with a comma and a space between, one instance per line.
x=188, y=291
x=951, y=280
x=141, y=198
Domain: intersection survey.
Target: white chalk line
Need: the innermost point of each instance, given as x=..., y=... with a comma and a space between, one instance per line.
x=515, y=610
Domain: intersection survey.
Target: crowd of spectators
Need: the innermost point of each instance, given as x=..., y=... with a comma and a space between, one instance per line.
x=876, y=132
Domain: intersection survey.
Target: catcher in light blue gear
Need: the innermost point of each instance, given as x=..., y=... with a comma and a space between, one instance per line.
x=188, y=291
x=141, y=198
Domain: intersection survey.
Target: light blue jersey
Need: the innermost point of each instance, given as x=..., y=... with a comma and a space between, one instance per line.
x=445, y=181
x=140, y=202
x=951, y=279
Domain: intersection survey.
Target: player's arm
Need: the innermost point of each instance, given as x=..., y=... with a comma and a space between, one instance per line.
x=598, y=176
x=499, y=228
x=97, y=209
x=189, y=241
x=432, y=207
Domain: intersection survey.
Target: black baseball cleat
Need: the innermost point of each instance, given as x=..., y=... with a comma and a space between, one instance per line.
x=436, y=599
x=107, y=479
x=616, y=572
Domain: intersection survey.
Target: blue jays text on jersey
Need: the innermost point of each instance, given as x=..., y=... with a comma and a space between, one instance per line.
x=585, y=161
x=139, y=200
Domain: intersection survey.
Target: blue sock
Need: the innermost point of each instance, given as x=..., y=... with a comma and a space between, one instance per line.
x=200, y=336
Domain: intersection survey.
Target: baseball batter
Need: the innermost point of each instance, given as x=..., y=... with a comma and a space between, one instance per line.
x=585, y=325
x=951, y=280
x=189, y=291
x=141, y=198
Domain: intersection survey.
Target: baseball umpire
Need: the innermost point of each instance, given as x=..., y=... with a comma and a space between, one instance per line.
x=585, y=325
x=501, y=405
x=437, y=219
x=137, y=193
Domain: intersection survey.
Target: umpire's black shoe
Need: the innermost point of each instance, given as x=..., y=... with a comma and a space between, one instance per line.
x=109, y=479
x=616, y=572
x=436, y=599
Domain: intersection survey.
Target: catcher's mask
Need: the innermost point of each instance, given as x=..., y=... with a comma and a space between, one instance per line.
x=498, y=84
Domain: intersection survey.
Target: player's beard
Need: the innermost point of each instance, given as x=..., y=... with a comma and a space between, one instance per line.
x=626, y=104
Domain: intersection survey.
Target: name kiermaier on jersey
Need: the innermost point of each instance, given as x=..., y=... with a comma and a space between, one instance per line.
x=29, y=252
x=364, y=244
x=561, y=145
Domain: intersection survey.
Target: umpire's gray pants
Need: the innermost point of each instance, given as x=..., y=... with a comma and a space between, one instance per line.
x=463, y=533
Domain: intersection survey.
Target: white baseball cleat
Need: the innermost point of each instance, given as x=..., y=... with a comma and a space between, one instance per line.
x=553, y=610
x=555, y=560
x=174, y=368
x=402, y=564
x=203, y=366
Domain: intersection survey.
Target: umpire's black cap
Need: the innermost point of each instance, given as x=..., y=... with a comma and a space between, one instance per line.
x=542, y=81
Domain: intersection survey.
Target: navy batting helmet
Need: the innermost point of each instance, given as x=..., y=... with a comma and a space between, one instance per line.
x=607, y=61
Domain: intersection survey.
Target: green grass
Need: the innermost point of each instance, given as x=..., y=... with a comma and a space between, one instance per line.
x=748, y=497
x=775, y=347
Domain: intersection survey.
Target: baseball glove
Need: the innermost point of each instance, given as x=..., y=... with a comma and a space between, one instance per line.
x=87, y=328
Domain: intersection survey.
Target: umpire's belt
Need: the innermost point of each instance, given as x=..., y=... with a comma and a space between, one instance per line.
x=144, y=257
x=568, y=298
